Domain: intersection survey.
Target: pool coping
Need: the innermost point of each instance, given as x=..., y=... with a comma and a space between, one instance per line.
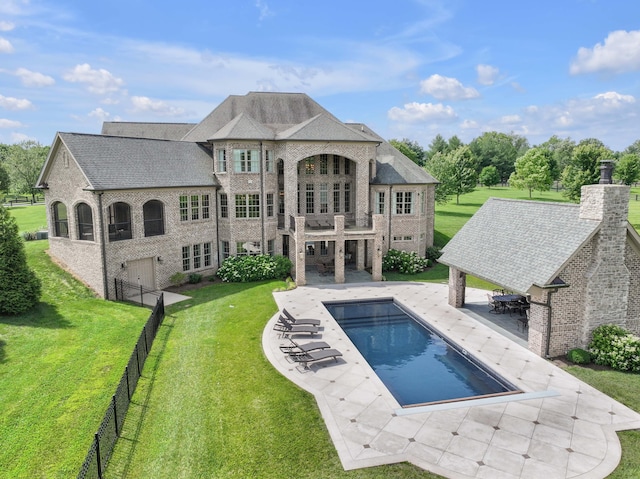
x=560, y=428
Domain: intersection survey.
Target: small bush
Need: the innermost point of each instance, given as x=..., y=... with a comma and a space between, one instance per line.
x=244, y=269
x=579, y=356
x=433, y=253
x=29, y=235
x=615, y=347
x=404, y=262
x=177, y=278
x=195, y=278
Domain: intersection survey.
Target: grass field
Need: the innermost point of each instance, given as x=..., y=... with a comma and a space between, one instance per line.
x=59, y=365
x=209, y=404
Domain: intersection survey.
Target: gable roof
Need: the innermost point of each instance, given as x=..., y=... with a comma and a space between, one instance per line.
x=278, y=111
x=118, y=163
x=518, y=244
x=158, y=131
x=243, y=127
x=322, y=127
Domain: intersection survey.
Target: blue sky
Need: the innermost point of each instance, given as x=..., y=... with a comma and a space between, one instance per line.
x=408, y=68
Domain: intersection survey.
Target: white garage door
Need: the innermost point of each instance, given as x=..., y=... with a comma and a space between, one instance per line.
x=140, y=272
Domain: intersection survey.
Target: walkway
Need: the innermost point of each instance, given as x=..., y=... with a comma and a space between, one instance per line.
x=559, y=428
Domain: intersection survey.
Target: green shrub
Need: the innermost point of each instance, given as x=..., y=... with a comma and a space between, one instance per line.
x=404, y=262
x=433, y=253
x=243, y=269
x=195, y=278
x=177, y=278
x=20, y=288
x=615, y=347
x=579, y=356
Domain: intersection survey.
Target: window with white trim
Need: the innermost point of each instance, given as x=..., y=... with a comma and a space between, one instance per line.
x=246, y=161
x=324, y=198
x=310, y=198
x=324, y=164
x=309, y=166
x=222, y=161
x=186, y=258
x=248, y=206
x=268, y=162
x=224, y=205
x=347, y=197
x=336, y=197
x=269, y=204
x=271, y=247
x=225, y=249
x=379, y=202
x=404, y=203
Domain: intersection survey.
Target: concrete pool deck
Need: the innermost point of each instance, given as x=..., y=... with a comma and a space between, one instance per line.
x=559, y=428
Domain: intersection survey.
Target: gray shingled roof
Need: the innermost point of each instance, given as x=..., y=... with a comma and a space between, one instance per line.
x=243, y=127
x=518, y=244
x=322, y=127
x=115, y=163
x=269, y=109
x=158, y=131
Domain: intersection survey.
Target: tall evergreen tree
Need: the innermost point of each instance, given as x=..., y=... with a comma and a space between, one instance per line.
x=19, y=286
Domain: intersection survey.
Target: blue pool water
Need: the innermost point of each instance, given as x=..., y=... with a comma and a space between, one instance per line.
x=417, y=365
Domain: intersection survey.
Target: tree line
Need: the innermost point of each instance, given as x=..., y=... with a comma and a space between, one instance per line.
x=499, y=158
x=20, y=166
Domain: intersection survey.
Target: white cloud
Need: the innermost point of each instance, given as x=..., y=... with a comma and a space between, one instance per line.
x=100, y=114
x=619, y=53
x=445, y=88
x=613, y=100
x=419, y=112
x=487, y=75
x=469, y=125
x=11, y=103
x=6, y=26
x=145, y=104
x=36, y=79
x=99, y=81
x=510, y=119
x=264, y=9
x=4, y=123
x=5, y=46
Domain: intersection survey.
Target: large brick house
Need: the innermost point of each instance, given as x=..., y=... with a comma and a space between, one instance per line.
x=271, y=173
x=578, y=264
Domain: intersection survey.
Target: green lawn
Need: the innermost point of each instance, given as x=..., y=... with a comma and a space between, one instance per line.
x=30, y=218
x=59, y=366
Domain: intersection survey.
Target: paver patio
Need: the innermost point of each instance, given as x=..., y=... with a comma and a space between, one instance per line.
x=559, y=427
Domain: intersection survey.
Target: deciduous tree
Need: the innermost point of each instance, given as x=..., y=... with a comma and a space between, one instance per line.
x=627, y=169
x=532, y=171
x=456, y=171
x=500, y=150
x=489, y=176
x=584, y=168
x=24, y=163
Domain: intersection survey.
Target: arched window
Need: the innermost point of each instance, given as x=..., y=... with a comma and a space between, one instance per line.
x=84, y=218
x=60, y=221
x=153, y=212
x=119, y=221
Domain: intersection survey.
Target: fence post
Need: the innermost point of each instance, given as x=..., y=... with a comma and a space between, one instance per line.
x=138, y=360
x=115, y=414
x=96, y=438
x=141, y=296
x=126, y=372
x=144, y=333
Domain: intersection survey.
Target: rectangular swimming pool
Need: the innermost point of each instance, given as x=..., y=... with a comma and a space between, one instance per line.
x=418, y=365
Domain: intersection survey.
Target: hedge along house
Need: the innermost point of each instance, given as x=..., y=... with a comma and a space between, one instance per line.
x=271, y=173
x=579, y=264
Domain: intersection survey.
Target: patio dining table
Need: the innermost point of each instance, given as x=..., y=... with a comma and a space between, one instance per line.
x=509, y=302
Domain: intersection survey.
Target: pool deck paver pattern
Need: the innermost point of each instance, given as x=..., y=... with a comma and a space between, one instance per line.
x=559, y=428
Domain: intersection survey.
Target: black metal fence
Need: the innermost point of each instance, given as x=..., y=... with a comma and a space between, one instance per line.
x=135, y=292
x=105, y=439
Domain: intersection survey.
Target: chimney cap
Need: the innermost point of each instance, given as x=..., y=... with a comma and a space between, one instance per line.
x=606, y=171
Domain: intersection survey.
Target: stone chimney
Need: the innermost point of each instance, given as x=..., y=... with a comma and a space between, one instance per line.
x=607, y=282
